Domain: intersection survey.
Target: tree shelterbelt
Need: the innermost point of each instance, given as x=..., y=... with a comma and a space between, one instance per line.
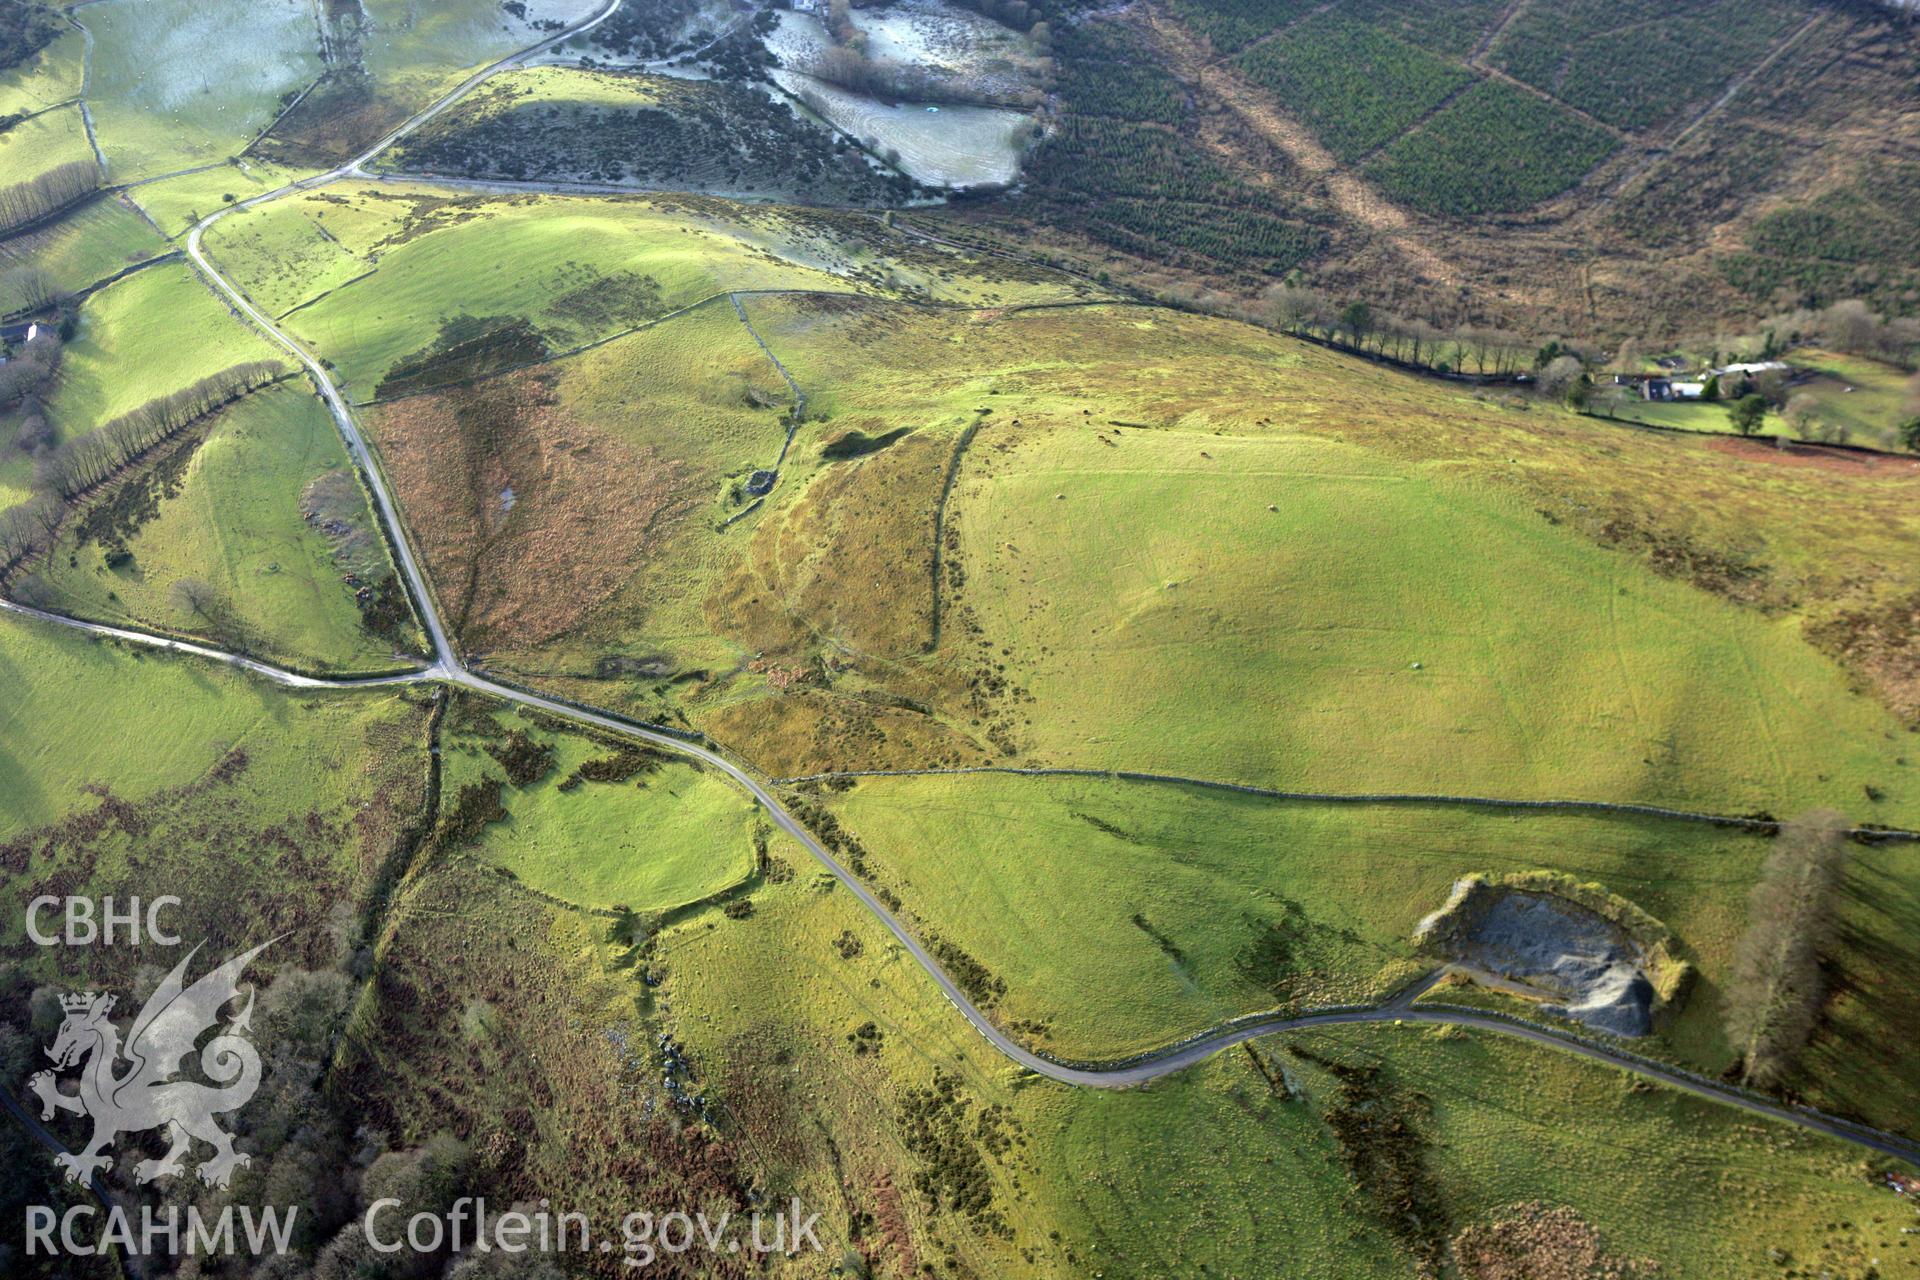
x=46, y=194
x=63, y=473
x=85, y=461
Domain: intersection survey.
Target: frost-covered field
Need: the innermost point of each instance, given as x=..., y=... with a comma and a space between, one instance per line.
x=929, y=33
x=177, y=83
x=940, y=146
x=797, y=38
x=926, y=35
x=416, y=48
x=462, y=33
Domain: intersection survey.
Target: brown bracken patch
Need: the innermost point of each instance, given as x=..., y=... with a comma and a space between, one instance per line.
x=1882, y=643
x=1845, y=461
x=851, y=561
x=1534, y=1242
x=528, y=517
x=799, y=733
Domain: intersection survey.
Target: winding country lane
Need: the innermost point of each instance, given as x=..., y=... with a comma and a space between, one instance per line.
x=1140, y=1069
x=448, y=668
x=278, y=675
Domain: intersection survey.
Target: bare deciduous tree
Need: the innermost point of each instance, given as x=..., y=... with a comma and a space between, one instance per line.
x=48, y=193
x=27, y=289
x=81, y=463
x=1774, y=993
x=194, y=596
x=1802, y=414
x=1561, y=373
x=1296, y=308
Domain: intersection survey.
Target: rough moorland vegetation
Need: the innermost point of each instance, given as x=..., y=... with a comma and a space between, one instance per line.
x=651, y=131
x=1125, y=170
x=25, y=29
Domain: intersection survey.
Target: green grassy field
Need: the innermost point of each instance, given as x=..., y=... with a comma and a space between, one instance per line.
x=1864, y=397
x=150, y=334
x=234, y=516
x=1261, y=564
x=573, y=269
x=176, y=203
x=1855, y=401
x=37, y=144
x=88, y=245
x=1396, y=610
x=414, y=53
x=1200, y=1172
x=1124, y=914
x=1128, y=914
x=662, y=839
x=178, y=83
x=1104, y=537
x=112, y=704
x=50, y=77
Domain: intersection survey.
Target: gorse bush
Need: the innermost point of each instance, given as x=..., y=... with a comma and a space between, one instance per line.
x=25, y=29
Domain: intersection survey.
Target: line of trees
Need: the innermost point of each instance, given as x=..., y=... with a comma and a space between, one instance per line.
x=81, y=463
x=50, y=192
x=1775, y=991
x=1850, y=325
x=66, y=471
x=1357, y=325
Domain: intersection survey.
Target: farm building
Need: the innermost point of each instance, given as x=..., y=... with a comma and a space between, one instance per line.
x=1752, y=369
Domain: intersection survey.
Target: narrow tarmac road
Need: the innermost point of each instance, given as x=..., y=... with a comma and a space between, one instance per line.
x=448, y=667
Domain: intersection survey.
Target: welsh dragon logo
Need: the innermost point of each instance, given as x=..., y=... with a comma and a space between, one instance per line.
x=133, y=1088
